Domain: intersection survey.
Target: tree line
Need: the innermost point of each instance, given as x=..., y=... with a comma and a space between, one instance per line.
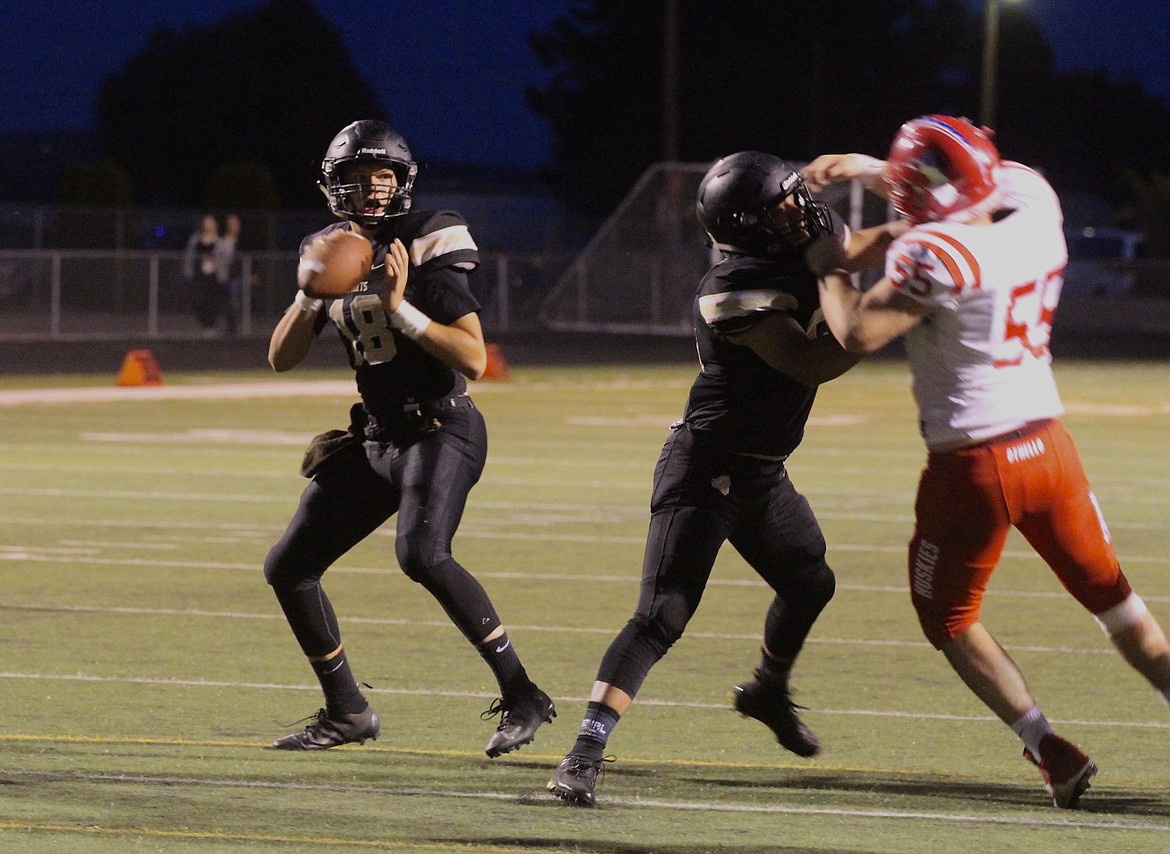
x=238, y=114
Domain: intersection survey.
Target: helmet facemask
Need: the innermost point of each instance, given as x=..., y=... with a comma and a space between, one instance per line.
x=814, y=216
x=757, y=204
x=362, y=199
x=810, y=221
x=349, y=173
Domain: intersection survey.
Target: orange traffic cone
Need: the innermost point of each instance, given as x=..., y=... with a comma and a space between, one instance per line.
x=497, y=368
x=139, y=368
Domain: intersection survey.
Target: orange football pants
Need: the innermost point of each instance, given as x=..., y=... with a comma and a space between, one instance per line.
x=967, y=501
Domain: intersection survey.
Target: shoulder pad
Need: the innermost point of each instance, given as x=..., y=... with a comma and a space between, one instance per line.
x=930, y=263
x=738, y=295
x=442, y=239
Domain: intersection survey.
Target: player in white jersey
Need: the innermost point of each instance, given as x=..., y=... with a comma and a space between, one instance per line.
x=982, y=366
x=973, y=286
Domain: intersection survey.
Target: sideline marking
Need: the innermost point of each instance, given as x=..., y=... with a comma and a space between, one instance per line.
x=219, y=391
x=245, y=389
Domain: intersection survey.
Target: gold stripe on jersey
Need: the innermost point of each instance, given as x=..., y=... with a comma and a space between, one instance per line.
x=718, y=307
x=453, y=238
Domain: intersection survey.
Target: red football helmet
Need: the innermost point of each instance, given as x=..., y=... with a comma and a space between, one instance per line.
x=939, y=167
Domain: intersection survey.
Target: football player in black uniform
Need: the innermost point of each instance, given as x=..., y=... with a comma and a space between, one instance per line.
x=415, y=446
x=763, y=348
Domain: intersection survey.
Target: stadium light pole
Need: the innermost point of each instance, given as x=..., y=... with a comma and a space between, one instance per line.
x=990, y=62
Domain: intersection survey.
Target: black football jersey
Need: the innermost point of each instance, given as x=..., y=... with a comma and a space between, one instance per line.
x=392, y=370
x=738, y=400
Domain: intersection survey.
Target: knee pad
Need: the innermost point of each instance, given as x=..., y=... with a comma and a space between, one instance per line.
x=419, y=558
x=667, y=621
x=637, y=648
x=819, y=583
x=1120, y=617
x=809, y=588
x=647, y=637
x=279, y=570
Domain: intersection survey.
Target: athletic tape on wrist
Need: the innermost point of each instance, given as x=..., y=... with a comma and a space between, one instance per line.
x=306, y=303
x=409, y=320
x=308, y=265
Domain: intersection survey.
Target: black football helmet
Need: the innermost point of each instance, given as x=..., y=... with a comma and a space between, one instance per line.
x=737, y=199
x=367, y=141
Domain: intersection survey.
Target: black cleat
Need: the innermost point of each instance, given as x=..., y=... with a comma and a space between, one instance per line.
x=576, y=778
x=520, y=717
x=768, y=702
x=326, y=731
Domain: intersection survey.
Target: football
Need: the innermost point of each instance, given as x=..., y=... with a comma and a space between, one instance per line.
x=344, y=262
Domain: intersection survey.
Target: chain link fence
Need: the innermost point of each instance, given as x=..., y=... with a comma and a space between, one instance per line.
x=639, y=271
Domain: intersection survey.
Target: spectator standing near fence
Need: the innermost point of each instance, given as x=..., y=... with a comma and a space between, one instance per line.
x=229, y=271
x=203, y=274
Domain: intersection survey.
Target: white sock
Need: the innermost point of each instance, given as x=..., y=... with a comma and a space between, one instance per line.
x=1031, y=728
x=1165, y=695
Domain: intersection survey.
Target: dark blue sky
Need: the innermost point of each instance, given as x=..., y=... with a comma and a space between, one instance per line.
x=445, y=68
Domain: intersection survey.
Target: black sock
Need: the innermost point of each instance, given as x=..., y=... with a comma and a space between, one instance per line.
x=596, y=727
x=775, y=668
x=342, y=695
x=501, y=657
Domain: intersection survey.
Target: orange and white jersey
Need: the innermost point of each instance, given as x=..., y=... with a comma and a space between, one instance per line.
x=980, y=356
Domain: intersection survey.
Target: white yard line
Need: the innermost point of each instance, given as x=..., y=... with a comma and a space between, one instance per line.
x=607, y=631
x=582, y=700
x=38, y=554
x=42, y=554
x=640, y=803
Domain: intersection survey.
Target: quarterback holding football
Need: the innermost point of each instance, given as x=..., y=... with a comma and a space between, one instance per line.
x=393, y=283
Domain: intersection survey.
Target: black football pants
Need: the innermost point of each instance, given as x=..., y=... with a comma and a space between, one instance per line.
x=426, y=483
x=703, y=497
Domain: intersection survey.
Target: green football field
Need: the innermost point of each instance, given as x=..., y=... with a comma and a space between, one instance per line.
x=146, y=664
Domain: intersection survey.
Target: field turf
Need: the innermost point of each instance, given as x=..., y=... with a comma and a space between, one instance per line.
x=146, y=664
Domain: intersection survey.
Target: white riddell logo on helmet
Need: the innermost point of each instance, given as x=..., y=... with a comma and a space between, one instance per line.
x=371, y=151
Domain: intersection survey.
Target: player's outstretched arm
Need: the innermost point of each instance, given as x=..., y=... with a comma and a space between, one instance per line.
x=834, y=168
x=863, y=322
x=786, y=346
x=866, y=249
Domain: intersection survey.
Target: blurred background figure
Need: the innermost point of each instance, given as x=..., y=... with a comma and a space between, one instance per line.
x=201, y=270
x=229, y=273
